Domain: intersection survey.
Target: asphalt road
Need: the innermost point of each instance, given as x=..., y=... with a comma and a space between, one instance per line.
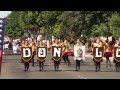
x=13, y=69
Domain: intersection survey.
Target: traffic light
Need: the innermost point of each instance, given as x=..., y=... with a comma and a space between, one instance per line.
x=2, y=29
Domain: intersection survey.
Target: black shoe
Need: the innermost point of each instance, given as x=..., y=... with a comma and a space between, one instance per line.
x=110, y=65
x=76, y=70
x=39, y=69
x=69, y=64
x=64, y=62
x=57, y=69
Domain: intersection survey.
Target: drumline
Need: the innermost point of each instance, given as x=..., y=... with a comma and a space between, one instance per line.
x=67, y=51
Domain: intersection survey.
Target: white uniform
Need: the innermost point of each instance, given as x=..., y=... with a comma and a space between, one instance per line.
x=15, y=48
x=83, y=52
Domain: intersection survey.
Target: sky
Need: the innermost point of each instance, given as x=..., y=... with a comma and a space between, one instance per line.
x=3, y=14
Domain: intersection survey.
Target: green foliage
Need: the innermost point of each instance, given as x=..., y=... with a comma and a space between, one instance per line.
x=64, y=24
x=99, y=30
x=114, y=22
x=56, y=29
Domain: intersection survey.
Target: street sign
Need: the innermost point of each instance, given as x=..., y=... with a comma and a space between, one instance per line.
x=2, y=29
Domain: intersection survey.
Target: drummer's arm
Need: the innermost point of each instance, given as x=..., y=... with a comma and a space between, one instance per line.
x=50, y=46
x=103, y=49
x=112, y=50
x=35, y=48
x=32, y=48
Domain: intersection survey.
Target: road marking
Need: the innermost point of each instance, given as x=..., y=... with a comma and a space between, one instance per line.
x=49, y=64
x=62, y=69
x=81, y=77
x=78, y=75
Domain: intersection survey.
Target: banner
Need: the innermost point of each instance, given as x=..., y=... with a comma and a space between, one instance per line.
x=26, y=53
x=56, y=53
x=117, y=53
x=41, y=53
x=98, y=53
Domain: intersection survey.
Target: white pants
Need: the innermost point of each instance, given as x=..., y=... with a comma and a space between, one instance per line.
x=14, y=50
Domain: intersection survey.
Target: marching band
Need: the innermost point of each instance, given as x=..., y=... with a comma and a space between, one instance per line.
x=97, y=63
x=77, y=52
x=65, y=49
x=41, y=62
x=26, y=63
x=117, y=62
x=108, y=53
x=56, y=62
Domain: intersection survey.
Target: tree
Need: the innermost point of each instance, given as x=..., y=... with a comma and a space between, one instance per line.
x=114, y=22
x=12, y=28
x=63, y=24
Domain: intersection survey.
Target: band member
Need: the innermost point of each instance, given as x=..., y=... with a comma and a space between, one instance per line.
x=117, y=63
x=117, y=43
x=108, y=53
x=30, y=42
x=41, y=62
x=10, y=45
x=15, y=48
x=78, y=53
x=21, y=45
x=97, y=43
x=66, y=47
x=89, y=43
x=83, y=45
x=34, y=52
x=56, y=63
x=33, y=45
x=26, y=64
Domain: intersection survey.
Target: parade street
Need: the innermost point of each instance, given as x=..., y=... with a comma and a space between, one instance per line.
x=12, y=68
